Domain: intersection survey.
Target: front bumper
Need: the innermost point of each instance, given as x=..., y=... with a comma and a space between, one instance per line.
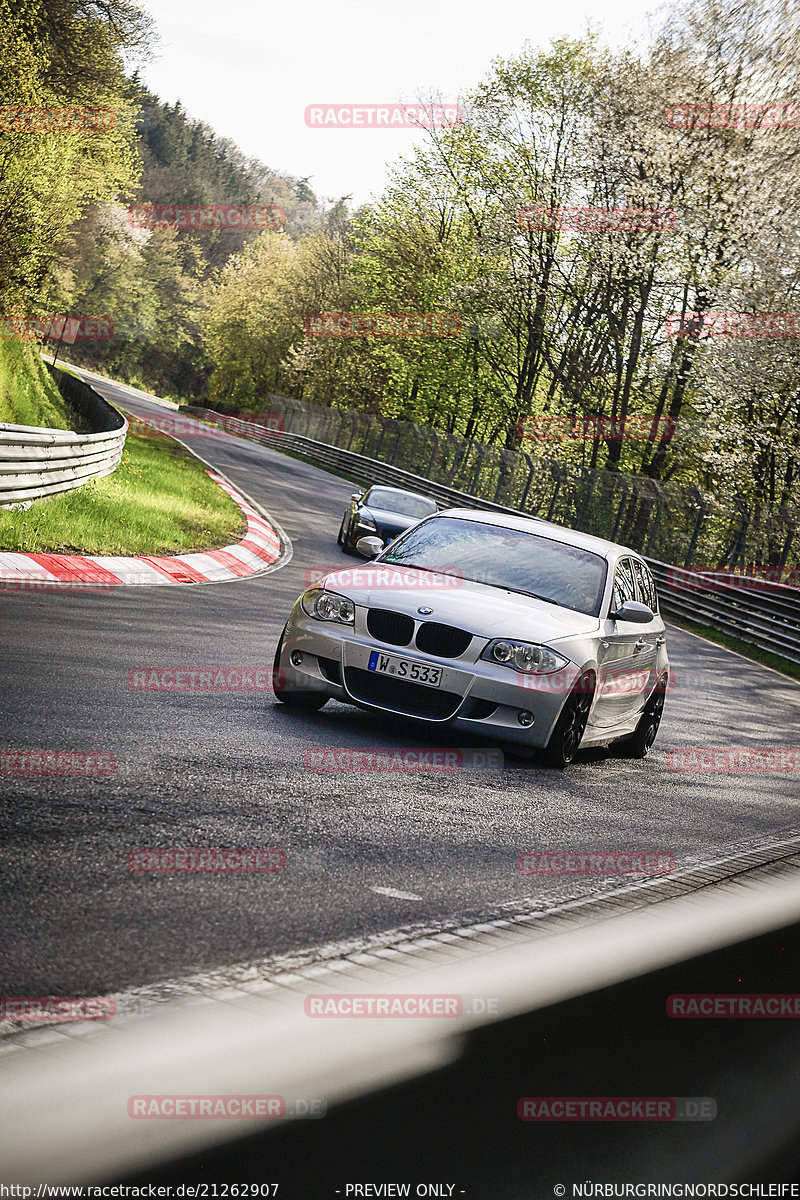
x=477, y=696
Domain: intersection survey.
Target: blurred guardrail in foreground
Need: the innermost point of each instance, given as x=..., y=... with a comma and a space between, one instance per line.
x=753, y=609
x=583, y=1009
x=41, y=462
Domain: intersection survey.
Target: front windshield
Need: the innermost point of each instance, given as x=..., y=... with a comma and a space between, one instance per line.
x=399, y=502
x=505, y=558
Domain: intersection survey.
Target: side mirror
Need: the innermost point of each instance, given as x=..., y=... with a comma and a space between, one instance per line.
x=633, y=611
x=370, y=547
x=356, y=496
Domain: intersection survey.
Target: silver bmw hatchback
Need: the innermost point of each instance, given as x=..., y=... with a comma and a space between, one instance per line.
x=505, y=627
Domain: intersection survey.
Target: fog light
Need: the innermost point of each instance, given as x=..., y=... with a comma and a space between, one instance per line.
x=524, y=717
x=296, y=658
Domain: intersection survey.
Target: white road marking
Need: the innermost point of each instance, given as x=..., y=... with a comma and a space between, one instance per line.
x=394, y=892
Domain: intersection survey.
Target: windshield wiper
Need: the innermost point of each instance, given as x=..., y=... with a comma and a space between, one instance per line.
x=534, y=595
x=416, y=567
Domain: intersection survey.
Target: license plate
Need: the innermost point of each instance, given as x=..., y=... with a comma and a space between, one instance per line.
x=404, y=668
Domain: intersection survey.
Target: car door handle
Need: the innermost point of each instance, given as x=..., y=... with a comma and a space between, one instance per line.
x=640, y=645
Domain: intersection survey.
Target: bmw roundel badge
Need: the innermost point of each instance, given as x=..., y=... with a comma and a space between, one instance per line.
x=426, y=612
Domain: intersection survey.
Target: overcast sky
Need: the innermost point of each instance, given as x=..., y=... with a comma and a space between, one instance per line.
x=251, y=67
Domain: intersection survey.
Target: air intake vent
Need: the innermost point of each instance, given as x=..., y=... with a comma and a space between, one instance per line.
x=396, y=629
x=331, y=669
x=400, y=695
x=442, y=640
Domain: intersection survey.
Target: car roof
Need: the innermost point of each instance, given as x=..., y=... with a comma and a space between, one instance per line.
x=556, y=533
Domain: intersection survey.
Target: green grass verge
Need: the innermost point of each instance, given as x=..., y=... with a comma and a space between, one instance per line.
x=158, y=501
x=28, y=394
x=731, y=643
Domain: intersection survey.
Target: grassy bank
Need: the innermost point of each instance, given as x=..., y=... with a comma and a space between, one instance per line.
x=28, y=395
x=158, y=501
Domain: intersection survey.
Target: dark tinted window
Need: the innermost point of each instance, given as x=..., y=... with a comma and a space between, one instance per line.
x=624, y=584
x=399, y=502
x=647, y=589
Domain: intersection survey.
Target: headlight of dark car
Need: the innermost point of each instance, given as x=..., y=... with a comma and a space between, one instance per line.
x=328, y=606
x=528, y=657
x=366, y=522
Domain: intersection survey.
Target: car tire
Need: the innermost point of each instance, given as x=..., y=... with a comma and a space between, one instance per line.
x=343, y=542
x=566, y=737
x=309, y=700
x=639, y=744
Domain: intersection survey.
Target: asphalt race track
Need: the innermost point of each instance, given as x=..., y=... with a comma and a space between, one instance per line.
x=227, y=770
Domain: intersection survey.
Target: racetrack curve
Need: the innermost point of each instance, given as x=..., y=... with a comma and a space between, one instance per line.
x=227, y=769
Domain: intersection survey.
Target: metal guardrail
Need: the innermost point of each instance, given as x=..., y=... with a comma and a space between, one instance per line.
x=37, y=462
x=667, y=520
x=623, y=966
x=757, y=611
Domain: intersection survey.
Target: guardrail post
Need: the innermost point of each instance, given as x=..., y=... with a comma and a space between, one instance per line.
x=702, y=510
x=393, y=453
x=791, y=529
x=626, y=491
x=524, y=454
x=502, y=475
x=588, y=479
x=377, y=450
x=435, y=439
x=736, y=555
x=353, y=419
x=559, y=474
x=478, y=467
x=656, y=522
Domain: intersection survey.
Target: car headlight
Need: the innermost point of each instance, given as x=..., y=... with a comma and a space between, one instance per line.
x=328, y=606
x=367, y=523
x=529, y=657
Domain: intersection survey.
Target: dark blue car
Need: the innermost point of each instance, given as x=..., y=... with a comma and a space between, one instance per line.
x=383, y=512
